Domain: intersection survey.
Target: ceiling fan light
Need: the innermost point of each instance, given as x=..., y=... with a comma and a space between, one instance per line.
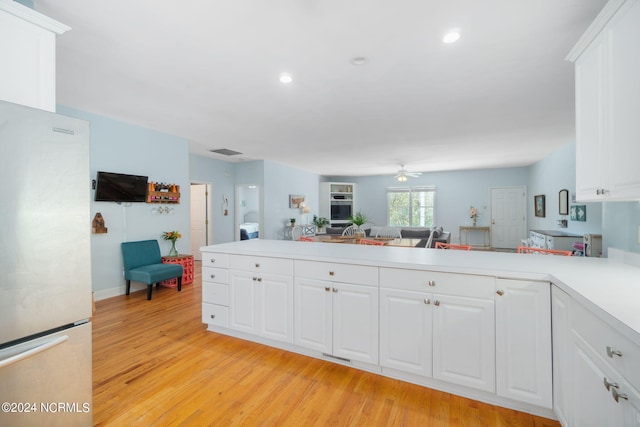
x=402, y=178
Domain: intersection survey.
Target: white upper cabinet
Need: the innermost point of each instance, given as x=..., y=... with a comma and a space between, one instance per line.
x=28, y=50
x=608, y=105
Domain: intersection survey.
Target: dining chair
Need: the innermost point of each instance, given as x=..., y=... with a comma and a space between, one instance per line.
x=306, y=239
x=350, y=230
x=296, y=232
x=530, y=250
x=388, y=232
x=440, y=245
x=371, y=242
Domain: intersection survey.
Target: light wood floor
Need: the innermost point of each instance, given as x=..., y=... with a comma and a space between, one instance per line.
x=154, y=364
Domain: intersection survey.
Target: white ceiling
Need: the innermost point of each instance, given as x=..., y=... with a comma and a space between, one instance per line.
x=208, y=71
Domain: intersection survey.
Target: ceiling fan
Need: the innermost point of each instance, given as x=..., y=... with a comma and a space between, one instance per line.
x=403, y=174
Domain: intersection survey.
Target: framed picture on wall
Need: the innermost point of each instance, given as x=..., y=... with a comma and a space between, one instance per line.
x=295, y=200
x=578, y=213
x=538, y=203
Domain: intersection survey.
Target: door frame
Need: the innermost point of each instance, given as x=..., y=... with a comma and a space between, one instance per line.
x=524, y=207
x=208, y=211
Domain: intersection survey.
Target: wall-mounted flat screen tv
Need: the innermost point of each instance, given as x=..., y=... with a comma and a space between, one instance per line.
x=119, y=187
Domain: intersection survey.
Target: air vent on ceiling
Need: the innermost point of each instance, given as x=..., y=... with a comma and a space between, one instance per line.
x=225, y=152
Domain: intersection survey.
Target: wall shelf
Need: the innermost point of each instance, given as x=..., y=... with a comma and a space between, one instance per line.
x=163, y=193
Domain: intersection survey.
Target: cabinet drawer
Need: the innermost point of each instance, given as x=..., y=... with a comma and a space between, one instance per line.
x=344, y=273
x=217, y=315
x=282, y=266
x=215, y=293
x=215, y=275
x=600, y=336
x=215, y=259
x=442, y=283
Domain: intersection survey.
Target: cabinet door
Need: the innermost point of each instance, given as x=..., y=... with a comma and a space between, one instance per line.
x=590, y=121
x=405, y=331
x=623, y=132
x=276, y=307
x=593, y=405
x=243, y=308
x=355, y=322
x=561, y=334
x=464, y=341
x=523, y=341
x=313, y=314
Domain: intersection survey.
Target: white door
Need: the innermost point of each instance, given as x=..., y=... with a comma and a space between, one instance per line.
x=355, y=322
x=313, y=314
x=405, y=331
x=464, y=341
x=199, y=219
x=523, y=341
x=276, y=307
x=508, y=218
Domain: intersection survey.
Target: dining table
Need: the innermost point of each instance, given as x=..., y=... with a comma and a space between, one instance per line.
x=388, y=241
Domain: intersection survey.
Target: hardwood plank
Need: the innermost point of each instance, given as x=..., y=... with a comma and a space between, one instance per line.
x=154, y=364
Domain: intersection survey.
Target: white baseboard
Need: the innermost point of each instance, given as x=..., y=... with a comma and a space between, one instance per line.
x=114, y=292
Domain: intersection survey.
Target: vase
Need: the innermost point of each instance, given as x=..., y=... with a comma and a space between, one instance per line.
x=474, y=221
x=173, y=251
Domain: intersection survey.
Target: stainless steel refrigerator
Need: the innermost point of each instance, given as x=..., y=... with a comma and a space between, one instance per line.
x=45, y=269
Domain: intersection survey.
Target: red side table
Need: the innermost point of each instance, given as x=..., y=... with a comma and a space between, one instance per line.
x=187, y=263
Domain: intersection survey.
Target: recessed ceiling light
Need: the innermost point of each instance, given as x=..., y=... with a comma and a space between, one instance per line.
x=285, y=78
x=451, y=36
x=358, y=60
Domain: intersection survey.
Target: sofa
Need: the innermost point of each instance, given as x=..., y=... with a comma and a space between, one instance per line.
x=421, y=233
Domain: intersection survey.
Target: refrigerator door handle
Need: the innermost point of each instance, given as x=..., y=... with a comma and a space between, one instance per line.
x=33, y=351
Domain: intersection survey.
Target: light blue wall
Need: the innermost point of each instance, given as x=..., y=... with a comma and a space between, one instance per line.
x=279, y=182
x=220, y=175
x=620, y=225
x=124, y=148
x=456, y=192
x=547, y=177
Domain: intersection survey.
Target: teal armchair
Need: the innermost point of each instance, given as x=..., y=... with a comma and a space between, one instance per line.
x=143, y=263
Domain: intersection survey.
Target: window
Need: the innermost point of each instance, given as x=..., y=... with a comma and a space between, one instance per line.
x=411, y=207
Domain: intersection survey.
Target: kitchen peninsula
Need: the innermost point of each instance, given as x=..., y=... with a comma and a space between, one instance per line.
x=476, y=324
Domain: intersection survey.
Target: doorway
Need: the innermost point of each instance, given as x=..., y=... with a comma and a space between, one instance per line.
x=508, y=217
x=200, y=218
x=248, y=213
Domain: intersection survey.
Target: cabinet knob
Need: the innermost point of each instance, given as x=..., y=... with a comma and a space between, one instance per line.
x=616, y=395
x=432, y=283
x=213, y=276
x=500, y=292
x=335, y=289
x=611, y=352
x=259, y=279
x=608, y=385
x=331, y=273
x=427, y=301
x=213, y=260
x=213, y=316
x=257, y=264
x=327, y=288
x=436, y=303
x=255, y=278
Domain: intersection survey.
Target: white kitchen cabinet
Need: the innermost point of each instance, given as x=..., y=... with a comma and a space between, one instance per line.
x=28, y=50
x=261, y=302
x=447, y=333
x=523, y=341
x=561, y=333
x=607, y=103
x=464, y=341
x=336, y=317
x=406, y=331
x=215, y=289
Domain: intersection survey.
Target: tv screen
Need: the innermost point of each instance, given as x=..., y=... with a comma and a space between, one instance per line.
x=118, y=187
x=340, y=211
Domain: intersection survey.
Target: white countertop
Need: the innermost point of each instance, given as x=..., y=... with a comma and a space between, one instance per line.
x=610, y=287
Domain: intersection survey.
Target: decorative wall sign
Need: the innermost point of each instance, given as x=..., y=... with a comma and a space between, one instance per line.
x=97, y=226
x=578, y=213
x=538, y=205
x=295, y=200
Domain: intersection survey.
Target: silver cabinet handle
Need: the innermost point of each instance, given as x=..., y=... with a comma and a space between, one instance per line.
x=213, y=260
x=213, y=316
x=255, y=278
x=331, y=273
x=436, y=303
x=432, y=283
x=609, y=385
x=213, y=276
x=335, y=289
x=427, y=301
x=259, y=279
x=257, y=265
x=327, y=288
x=611, y=352
x=616, y=395
x=500, y=292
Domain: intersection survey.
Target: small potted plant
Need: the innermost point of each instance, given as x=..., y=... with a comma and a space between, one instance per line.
x=320, y=222
x=359, y=219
